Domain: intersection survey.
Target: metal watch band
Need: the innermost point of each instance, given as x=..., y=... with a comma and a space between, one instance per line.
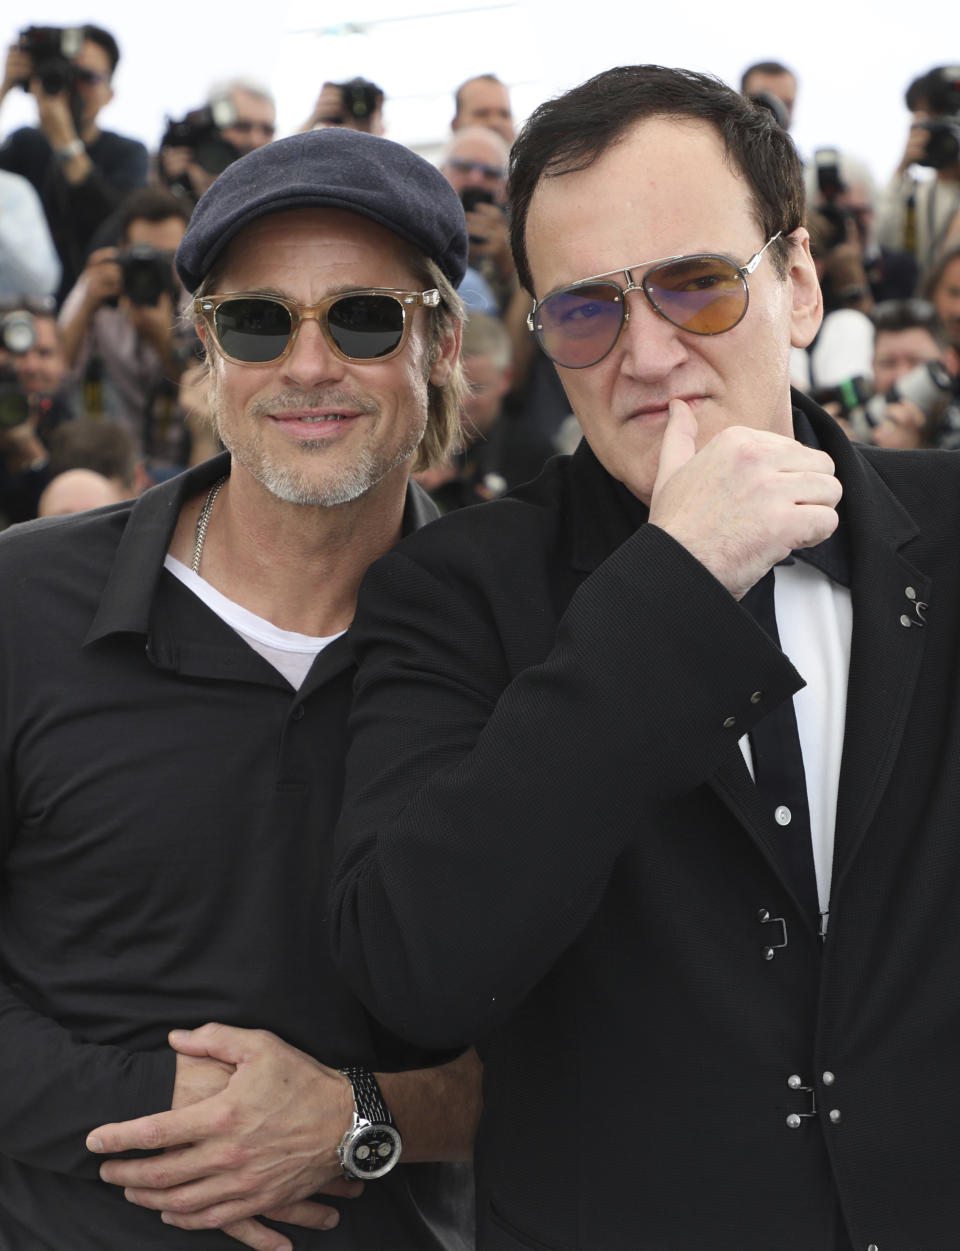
x=69, y=150
x=367, y=1095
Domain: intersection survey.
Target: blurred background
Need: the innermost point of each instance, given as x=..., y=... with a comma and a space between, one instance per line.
x=853, y=62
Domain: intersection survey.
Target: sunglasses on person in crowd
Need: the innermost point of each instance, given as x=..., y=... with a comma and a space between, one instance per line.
x=578, y=325
x=369, y=325
x=463, y=166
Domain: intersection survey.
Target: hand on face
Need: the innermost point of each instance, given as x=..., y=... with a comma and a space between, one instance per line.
x=744, y=501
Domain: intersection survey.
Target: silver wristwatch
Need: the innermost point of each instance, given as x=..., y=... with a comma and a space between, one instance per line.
x=372, y=1145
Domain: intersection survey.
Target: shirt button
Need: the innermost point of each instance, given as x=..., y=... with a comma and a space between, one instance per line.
x=783, y=815
x=297, y=714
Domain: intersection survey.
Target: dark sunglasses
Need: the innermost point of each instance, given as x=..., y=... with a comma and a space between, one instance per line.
x=370, y=325
x=579, y=325
x=463, y=166
x=247, y=128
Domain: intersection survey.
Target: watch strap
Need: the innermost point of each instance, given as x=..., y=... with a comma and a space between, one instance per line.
x=75, y=147
x=367, y=1095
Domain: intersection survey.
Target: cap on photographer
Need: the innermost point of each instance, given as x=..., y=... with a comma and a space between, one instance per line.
x=121, y=333
x=80, y=171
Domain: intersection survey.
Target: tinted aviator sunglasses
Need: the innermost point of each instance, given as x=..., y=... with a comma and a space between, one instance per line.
x=253, y=329
x=579, y=325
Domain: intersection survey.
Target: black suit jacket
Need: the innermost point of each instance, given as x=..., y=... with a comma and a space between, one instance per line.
x=551, y=844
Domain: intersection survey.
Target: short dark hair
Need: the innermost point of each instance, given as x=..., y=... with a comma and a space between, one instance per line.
x=152, y=204
x=103, y=38
x=764, y=67
x=568, y=134
x=92, y=443
x=913, y=314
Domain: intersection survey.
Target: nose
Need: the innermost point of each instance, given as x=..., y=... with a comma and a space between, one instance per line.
x=312, y=361
x=650, y=345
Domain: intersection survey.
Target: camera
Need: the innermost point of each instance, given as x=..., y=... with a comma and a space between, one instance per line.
x=52, y=49
x=942, y=93
x=147, y=274
x=831, y=186
x=200, y=132
x=14, y=402
x=360, y=99
x=929, y=386
x=17, y=332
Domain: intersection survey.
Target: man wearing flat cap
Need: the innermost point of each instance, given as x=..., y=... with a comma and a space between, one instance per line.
x=175, y=683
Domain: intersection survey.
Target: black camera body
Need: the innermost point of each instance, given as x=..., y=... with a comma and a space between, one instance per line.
x=52, y=49
x=147, y=274
x=942, y=148
x=360, y=98
x=942, y=95
x=200, y=131
x=14, y=401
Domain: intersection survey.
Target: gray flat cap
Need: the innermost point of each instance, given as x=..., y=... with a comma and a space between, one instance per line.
x=333, y=168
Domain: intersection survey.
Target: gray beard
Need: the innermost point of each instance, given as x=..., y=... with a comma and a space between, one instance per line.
x=349, y=485
x=288, y=483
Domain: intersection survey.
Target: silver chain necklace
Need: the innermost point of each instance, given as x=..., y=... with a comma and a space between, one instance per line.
x=203, y=521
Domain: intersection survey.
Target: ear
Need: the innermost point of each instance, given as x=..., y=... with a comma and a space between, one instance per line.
x=446, y=355
x=806, y=312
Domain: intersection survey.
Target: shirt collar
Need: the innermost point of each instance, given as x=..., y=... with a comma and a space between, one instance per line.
x=603, y=513
x=832, y=556
x=138, y=564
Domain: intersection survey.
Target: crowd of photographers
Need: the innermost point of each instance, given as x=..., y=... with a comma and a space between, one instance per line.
x=93, y=325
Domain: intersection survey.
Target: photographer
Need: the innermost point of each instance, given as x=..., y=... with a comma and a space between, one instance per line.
x=80, y=172
x=33, y=403
x=909, y=397
x=922, y=216
x=475, y=165
x=120, y=332
x=355, y=105
x=238, y=117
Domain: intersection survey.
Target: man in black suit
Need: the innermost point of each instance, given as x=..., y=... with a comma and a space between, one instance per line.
x=652, y=788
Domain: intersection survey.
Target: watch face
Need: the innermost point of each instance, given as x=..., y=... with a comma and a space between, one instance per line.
x=373, y=1151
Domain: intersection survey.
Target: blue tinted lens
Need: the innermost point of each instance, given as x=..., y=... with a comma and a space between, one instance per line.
x=578, y=326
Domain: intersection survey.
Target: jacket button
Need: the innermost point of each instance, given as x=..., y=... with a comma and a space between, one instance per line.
x=297, y=714
x=835, y=1116
x=729, y=723
x=828, y=1078
x=756, y=697
x=794, y=1121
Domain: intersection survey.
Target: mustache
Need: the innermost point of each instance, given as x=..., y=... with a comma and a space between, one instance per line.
x=323, y=397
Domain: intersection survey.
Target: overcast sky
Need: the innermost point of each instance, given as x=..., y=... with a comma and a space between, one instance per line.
x=853, y=61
